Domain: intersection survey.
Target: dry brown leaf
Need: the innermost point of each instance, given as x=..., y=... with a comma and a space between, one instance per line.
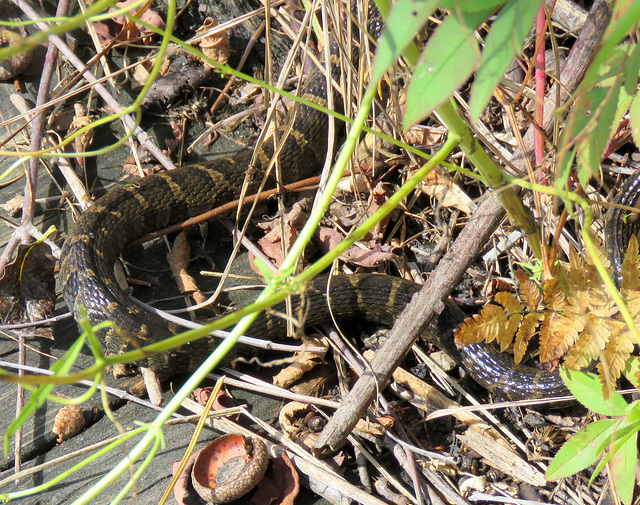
x=27, y=290
x=84, y=140
x=302, y=363
x=291, y=416
x=178, y=260
x=357, y=254
x=438, y=184
x=16, y=64
x=121, y=28
x=216, y=45
x=271, y=243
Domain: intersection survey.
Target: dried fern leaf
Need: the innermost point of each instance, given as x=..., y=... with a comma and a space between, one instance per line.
x=555, y=303
x=529, y=291
x=577, y=274
x=514, y=310
x=562, y=336
x=525, y=333
x=602, y=255
x=630, y=282
x=591, y=341
x=492, y=323
x=482, y=327
x=616, y=354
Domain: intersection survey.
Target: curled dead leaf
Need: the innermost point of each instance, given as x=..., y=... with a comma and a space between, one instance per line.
x=302, y=362
x=126, y=30
x=292, y=415
x=358, y=254
x=214, y=45
x=27, y=290
x=271, y=243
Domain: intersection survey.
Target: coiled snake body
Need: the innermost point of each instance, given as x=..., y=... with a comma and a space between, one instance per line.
x=98, y=237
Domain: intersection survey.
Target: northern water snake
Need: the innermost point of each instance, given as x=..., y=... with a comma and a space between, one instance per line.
x=98, y=237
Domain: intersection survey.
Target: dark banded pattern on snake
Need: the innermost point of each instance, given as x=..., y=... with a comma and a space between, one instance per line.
x=130, y=212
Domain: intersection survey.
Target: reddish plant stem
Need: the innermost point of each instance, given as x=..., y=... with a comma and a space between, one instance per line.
x=540, y=78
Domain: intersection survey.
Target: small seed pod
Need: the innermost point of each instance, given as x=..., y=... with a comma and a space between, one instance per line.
x=229, y=467
x=69, y=421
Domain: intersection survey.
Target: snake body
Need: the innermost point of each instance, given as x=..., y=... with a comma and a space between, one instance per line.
x=621, y=224
x=99, y=236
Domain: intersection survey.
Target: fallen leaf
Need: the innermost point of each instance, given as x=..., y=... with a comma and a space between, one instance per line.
x=84, y=140
x=280, y=485
x=302, y=362
x=214, y=45
x=271, y=243
x=438, y=184
x=121, y=28
x=16, y=64
x=357, y=254
x=178, y=260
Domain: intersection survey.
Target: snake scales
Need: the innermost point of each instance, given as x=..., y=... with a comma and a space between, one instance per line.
x=99, y=236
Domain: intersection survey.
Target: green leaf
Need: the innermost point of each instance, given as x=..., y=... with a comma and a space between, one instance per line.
x=622, y=465
x=606, y=114
x=403, y=22
x=620, y=434
x=446, y=63
x=626, y=14
x=631, y=69
x=503, y=42
x=587, y=389
x=635, y=120
x=632, y=368
x=470, y=5
x=592, y=147
x=581, y=450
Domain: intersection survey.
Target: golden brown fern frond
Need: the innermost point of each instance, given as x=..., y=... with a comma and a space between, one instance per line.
x=493, y=322
x=573, y=314
x=616, y=354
